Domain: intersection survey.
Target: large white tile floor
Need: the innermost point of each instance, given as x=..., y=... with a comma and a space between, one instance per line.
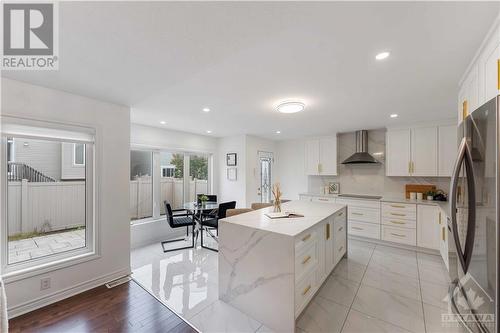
x=377, y=289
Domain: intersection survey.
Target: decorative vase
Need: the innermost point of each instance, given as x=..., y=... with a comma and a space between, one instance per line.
x=277, y=206
x=430, y=197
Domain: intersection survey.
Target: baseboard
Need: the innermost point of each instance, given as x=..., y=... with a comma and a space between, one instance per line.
x=397, y=245
x=57, y=296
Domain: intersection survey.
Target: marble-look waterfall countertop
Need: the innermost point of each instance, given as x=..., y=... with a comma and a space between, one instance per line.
x=313, y=212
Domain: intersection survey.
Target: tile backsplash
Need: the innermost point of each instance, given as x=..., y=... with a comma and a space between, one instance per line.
x=369, y=178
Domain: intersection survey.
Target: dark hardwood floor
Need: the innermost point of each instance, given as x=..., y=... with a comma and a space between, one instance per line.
x=125, y=308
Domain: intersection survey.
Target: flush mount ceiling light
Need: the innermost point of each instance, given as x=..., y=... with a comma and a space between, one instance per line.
x=206, y=109
x=163, y=122
x=382, y=55
x=394, y=115
x=291, y=107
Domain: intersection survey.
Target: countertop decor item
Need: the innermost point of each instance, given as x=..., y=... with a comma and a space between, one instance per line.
x=334, y=188
x=418, y=188
x=277, y=197
x=440, y=196
x=231, y=159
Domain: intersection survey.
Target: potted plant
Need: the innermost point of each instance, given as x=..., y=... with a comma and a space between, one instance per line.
x=430, y=195
x=203, y=200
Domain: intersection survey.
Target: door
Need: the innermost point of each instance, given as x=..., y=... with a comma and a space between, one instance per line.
x=398, y=152
x=328, y=156
x=265, y=161
x=474, y=218
x=424, y=151
x=312, y=157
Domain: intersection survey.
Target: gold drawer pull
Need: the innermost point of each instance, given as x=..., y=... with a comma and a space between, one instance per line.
x=397, y=214
x=442, y=233
x=306, y=290
x=397, y=222
x=357, y=228
x=397, y=235
x=306, y=237
x=321, y=199
x=340, y=248
x=340, y=229
x=354, y=213
x=397, y=206
x=439, y=217
x=306, y=259
x=328, y=231
x=341, y=214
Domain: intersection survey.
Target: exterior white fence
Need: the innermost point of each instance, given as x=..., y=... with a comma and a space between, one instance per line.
x=45, y=206
x=51, y=206
x=171, y=189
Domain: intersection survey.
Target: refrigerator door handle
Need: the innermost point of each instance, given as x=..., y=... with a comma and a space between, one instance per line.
x=464, y=155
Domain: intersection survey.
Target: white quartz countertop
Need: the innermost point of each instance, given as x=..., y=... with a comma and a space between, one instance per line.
x=385, y=198
x=314, y=212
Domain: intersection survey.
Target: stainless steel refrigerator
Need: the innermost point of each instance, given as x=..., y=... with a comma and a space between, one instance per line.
x=473, y=223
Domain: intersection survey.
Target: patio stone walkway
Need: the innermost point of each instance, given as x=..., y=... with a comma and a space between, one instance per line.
x=36, y=247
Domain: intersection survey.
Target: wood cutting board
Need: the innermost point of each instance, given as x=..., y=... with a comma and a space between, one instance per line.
x=418, y=188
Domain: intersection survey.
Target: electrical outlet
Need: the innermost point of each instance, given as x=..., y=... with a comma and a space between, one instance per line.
x=44, y=283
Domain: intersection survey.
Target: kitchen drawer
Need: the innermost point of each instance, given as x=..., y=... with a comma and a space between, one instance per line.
x=323, y=199
x=399, y=235
x=305, y=239
x=304, y=292
x=306, y=261
x=369, y=230
x=339, y=248
x=374, y=204
x=363, y=214
x=398, y=222
x=397, y=207
x=339, y=227
x=340, y=215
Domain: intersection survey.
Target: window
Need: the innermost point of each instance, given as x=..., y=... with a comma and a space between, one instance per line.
x=78, y=154
x=141, y=184
x=171, y=176
x=47, y=219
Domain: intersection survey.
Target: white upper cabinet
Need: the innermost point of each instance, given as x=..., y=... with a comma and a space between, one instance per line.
x=424, y=151
x=321, y=156
x=447, y=148
x=398, y=152
x=482, y=81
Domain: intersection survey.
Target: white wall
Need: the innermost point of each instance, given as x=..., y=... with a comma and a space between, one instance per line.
x=290, y=168
x=232, y=190
x=112, y=124
x=159, y=138
x=254, y=145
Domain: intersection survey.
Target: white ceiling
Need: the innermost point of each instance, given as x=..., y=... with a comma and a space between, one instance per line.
x=169, y=60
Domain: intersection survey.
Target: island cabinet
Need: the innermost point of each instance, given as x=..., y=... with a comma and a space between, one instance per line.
x=270, y=269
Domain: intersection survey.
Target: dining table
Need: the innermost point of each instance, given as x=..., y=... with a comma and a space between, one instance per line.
x=198, y=209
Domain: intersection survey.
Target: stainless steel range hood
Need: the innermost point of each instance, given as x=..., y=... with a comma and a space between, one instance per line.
x=361, y=155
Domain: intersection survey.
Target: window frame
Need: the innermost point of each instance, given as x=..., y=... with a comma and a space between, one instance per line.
x=91, y=250
x=157, y=174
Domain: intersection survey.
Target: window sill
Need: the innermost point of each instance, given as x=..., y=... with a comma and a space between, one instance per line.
x=13, y=274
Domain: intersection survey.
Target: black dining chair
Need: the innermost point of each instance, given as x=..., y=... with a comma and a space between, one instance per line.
x=213, y=223
x=179, y=221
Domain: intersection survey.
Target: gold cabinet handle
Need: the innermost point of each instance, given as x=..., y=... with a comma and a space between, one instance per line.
x=439, y=217
x=306, y=290
x=398, y=214
x=322, y=199
x=498, y=74
x=357, y=228
x=443, y=233
x=396, y=222
x=409, y=167
x=328, y=231
x=397, y=235
x=340, y=229
x=465, y=106
x=397, y=206
x=306, y=237
x=340, y=248
x=306, y=259
x=341, y=214
x=359, y=214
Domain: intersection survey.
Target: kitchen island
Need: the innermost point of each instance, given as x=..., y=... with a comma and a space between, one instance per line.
x=271, y=268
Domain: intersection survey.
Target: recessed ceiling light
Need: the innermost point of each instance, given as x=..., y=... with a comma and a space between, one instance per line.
x=206, y=109
x=291, y=107
x=394, y=115
x=382, y=55
x=209, y=131
x=278, y=132
x=163, y=122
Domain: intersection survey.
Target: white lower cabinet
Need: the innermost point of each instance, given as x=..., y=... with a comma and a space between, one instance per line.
x=363, y=217
x=428, y=226
x=363, y=229
x=399, y=221
x=399, y=235
x=443, y=240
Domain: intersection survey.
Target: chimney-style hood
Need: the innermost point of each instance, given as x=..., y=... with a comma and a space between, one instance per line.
x=361, y=155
